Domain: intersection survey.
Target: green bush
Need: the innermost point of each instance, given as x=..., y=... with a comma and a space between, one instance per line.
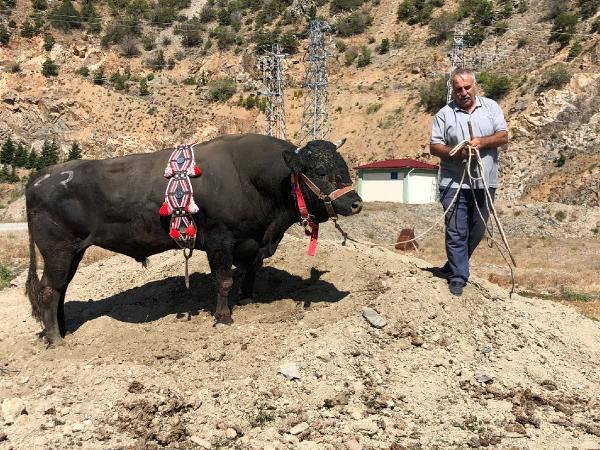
x=289, y=43
x=207, y=14
x=475, y=35
x=434, y=95
x=98, y=77
x=118, y=80
x=4, y=35
x=350, y=55
x=588, y=8
x=83, y=71
x=39, y=5
x=574, y=51
x=374, y=107
x=384, y=47
x=415, y=11
x=596, y=25
x=191, y=32
x=555, y=77
x=221, y=89
x=354, y=23
x=64, y=16
x=74, y=152
x=49, y=68
x=48, y=42
x=560, y=216
x=5, y=276
x=563, y=28
x=364, y=59
x=226, y=37
x=27, y=30
x=495, y=86
x=338, y=6
x=442, y=27
x=144, y=87
x=265, y=40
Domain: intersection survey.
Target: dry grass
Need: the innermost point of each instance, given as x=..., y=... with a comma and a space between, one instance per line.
x=564, y=270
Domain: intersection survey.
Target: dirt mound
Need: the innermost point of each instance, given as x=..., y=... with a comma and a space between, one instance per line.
x=143, y=366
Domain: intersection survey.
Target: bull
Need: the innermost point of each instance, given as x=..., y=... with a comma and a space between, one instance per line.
x=245, y=199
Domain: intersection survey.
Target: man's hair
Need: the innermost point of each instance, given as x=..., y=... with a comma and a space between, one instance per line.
x=461, y=72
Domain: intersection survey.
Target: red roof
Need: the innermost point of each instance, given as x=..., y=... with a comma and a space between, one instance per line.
x=398, y=164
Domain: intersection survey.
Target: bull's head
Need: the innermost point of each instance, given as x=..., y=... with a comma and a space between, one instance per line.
x=326, y=183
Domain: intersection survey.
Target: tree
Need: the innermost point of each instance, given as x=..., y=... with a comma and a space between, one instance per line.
x=49, y=155
x=27, y=30
x=40, y=5
x=8, y=152
x=90, y=15
x=74, y=152
x=4, y=174
x=13, y=177
x=64, y=16
x=48, y=42
x=563, y=29
x=49, y=68
x=32, y=160
x=144, y=87
x=384, y=47
x=20, y=158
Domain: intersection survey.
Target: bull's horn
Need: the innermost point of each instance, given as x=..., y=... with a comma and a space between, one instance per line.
x=339, y=143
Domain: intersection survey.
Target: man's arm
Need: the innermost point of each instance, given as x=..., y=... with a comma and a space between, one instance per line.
x=443, y=152
x=495, y=140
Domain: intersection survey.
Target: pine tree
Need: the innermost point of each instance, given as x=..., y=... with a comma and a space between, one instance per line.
x=4, y=174
x=32, y=160
x=75, y=152
x=20, y=158
x=8, y=151
x=13, y=177
x=54, y=153
x=47, y=158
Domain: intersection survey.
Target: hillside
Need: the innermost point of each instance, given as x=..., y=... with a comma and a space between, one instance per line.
x=376, y=106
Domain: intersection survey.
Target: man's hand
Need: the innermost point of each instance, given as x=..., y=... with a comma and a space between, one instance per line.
x=476, y=143
x=464, y=152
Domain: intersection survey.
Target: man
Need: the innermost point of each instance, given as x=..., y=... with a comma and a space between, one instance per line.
x=464, y=227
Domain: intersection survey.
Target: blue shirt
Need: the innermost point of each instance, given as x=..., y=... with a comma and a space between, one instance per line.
x=450, y=127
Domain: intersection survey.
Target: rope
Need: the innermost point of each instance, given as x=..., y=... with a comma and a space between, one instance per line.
x=489, y=203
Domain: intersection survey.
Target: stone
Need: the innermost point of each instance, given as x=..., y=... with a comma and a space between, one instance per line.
x=12, y=408
x=300, y=428
x=290, y=371
x=353, y=444
x=484, y=376
x=417, y=340
x=202, y=443
x=230, y=433
x=374, y=318
x=367, y=426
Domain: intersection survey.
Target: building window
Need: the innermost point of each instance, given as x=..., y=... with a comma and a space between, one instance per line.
x=393, y=175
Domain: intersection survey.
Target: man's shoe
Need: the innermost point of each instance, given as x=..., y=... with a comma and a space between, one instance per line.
x=445, y=270
x=456, y=287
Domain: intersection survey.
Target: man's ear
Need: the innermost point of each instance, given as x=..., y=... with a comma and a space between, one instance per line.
x=294, y=160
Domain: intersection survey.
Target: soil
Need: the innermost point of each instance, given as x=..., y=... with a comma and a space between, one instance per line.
x=144, y=367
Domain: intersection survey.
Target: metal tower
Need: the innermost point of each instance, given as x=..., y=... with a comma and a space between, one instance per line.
x=315, y=118
x=270, y=68
x=457, y=58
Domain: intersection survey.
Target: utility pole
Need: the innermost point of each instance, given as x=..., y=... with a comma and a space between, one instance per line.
x=315, y=117
x=270, y=68
x=457, y=58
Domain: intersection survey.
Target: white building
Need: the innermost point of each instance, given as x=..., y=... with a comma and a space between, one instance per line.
x=398, y=180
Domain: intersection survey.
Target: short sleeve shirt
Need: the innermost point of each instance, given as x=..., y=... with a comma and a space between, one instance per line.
x=450, y=127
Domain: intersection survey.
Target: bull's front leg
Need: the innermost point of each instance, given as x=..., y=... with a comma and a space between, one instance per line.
x=220, y=258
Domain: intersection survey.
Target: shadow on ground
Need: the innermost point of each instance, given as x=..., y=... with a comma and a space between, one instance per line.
x=161, y=298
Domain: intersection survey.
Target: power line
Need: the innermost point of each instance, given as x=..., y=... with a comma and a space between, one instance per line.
x=270, y=68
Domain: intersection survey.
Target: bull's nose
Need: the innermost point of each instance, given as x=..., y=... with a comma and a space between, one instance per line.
x=357, y=207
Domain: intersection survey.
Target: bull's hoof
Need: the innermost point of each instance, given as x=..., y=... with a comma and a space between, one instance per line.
x=223, y=320
x=54, y=341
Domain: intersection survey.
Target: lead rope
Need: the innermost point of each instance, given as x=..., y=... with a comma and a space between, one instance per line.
x=489, y=204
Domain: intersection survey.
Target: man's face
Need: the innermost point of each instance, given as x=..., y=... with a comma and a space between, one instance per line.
x=463, y=90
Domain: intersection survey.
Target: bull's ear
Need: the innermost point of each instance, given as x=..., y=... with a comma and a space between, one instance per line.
x=294, y=160
x=339, y=143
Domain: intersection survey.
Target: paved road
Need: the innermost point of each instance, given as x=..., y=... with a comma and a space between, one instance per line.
x=17, y=226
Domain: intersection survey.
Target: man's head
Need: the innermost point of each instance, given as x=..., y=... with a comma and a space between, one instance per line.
x=464, y=88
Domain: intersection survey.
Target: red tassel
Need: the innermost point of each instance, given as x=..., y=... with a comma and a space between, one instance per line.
x=190, y=231
x=175, y=234
x=164, y=210
x=197, y=171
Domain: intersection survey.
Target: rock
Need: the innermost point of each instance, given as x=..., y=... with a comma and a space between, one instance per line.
x=300, y=428
x=9, y=98
x=474, y=442
x=374, y=318
x=353, y=444
x=367, y=426
x=3, y=437
x=515, y=428
x=230, y=433
x=417, y=340
x=290, y=371
x=202, y=443
x=13, y=408
x=77, y=427
x=338, y=399
x=484, y=376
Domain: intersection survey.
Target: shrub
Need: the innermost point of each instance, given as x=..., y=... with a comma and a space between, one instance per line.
x=588, y=8
x=495, y=86
x=64, y=16
x=501, y=27
x=384, y=47
x=39, y=5
x=415, y=11
x=14, y=68
x=596, y=26
x=226, y=37
x=555, y=77
x=374, y=107
x=221, y=89
x=364, y=59
x=27, y=30
x=475, y=35
x=191, y=32
x=98, y=77
x=157, y=62
x=83, y=71
x=560, y=216
x=118, y=80
x=265, y=40
x=563, y=28
x=4, y=35
x=337, y=6
x=49, y=68
x=129, y=47
x=148, y=42
x=289, y=43
x=350, y=55
x=341, y=46
x=442, y=27
x=574, y=51
x=5, y=276
x=144, y=87
x=207, y=14
x=91, y=16
x=434, y=95
x=74, y=152
x=48, y=42
x=355, y=23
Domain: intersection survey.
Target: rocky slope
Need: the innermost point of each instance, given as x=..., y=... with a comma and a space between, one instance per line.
x=143, y=367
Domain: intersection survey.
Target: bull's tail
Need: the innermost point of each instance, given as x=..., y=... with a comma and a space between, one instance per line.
x=33, y=285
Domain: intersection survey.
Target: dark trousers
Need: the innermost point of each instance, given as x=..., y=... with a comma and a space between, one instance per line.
x=464, y=227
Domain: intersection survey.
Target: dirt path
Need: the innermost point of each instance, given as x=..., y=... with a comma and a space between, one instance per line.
x=144, y=367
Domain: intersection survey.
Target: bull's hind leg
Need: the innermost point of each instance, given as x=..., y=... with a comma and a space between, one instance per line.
x=59, y=269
